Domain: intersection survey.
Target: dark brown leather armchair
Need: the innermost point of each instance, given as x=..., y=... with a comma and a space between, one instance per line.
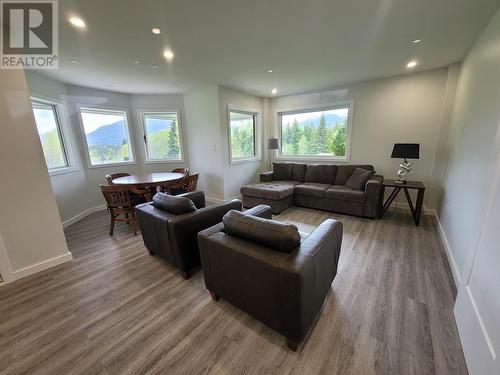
x=286, y=291
x=174, y=237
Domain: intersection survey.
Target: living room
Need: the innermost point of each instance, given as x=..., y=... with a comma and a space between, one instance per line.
x=365, y=143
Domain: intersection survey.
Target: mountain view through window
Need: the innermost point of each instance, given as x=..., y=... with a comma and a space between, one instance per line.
x=318, y=133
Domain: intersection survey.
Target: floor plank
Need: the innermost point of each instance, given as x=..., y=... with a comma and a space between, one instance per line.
x=115, y=309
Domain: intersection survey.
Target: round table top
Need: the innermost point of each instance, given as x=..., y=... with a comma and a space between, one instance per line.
x=148, y=179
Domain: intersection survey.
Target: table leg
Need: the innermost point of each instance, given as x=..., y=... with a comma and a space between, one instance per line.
x=390, y=199
x=381, y=201
x=419, y=205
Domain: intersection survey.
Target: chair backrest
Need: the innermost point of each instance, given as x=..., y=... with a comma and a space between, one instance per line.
x=184, y=171
x=110, y=177
x=116, y=196
x=191, y=181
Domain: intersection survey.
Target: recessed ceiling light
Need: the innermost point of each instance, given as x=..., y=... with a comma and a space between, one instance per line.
x=154, y=66
x=77, y=22
x=274, y=91
x=156, y=30
x=417, y=41
x=412, y=64
x=74, y=61
x=270, y=71
x=168, y=54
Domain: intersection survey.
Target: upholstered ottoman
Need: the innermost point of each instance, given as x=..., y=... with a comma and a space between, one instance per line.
x=278, y=195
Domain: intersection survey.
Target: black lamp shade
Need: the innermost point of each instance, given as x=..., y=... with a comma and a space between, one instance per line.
x=406, y=151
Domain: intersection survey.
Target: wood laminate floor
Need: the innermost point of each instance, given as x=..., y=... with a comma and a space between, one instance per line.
x=115, y=309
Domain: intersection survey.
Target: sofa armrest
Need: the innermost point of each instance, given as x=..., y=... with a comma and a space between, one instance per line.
x=198, y=198
x=183, y=229
x=266, y=176
x=372, y=196
x=261, y=210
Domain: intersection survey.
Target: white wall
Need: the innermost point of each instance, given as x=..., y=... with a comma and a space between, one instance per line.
x=30, y=227
x=470, y=217
x=405, y=109
x=236, y=175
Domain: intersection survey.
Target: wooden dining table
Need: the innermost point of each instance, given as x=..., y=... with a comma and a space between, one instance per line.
x=141, y=183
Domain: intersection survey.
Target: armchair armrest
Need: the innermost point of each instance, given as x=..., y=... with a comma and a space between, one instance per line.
x=266, y=176
x=261, y=211
x=198, y=198
x=372, y=196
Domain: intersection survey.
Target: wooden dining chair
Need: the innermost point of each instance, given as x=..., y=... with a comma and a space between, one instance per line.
x=191, y=182
x=118, y=202
x=110, y=177
x=178, y=187
x=184, y=171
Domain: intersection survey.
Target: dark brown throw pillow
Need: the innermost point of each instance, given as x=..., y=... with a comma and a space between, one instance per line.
x=274, y=234
x=173, y=204
x=358, y=179
x=282, y=171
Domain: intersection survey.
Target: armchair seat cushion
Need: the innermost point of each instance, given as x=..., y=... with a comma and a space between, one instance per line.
x=269, y=190
x=312, y=189
x=345, y=193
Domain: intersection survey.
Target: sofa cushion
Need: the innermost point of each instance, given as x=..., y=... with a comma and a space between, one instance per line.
x=268, y=190
x=173, y=204
x=320, y=173
x=282, y=171
x=312, y=189
x=344, y=193
x=274, y=234
x=344, y=172
x=299, y=172
x=359, y=178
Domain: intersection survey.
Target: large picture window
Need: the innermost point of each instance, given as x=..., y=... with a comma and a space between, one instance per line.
x=107, y=136
x=162, y=136
x=48, y=124
x=316, y=133
x=242, y=128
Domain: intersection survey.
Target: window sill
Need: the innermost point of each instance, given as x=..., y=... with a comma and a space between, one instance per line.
x=245, y=160
x=60, y=171
x=111, y=165
x=166, y=161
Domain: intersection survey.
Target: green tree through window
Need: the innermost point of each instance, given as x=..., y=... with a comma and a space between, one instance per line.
x=242, y=129
x=162, y=136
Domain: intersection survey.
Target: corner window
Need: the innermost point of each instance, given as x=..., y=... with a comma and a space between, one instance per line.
x=316, y=133
x=107, y=136
x=48, y=124
x=242, y=135
x=162, y=138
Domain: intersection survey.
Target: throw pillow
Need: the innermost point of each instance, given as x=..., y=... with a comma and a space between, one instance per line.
x=358, y=179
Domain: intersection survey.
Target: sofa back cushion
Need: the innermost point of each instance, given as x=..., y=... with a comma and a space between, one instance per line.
x=299, y=172
x=274, y=234
x=344, y=172
x=321, y=173
x=358, y=179
x=174, y=205
x=282, y=171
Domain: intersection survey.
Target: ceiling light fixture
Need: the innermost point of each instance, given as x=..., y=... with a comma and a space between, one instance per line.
x=74, y=61
x=274, y=91
x=168, y=54
x=77, y=22
x=156, y=30
x=412, y=64
x=270, y=71
x=417, y=41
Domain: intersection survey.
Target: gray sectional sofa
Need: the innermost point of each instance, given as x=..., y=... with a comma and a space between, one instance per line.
x=319, y=186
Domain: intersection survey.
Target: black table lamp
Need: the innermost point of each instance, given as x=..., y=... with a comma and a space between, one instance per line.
x=405, y=151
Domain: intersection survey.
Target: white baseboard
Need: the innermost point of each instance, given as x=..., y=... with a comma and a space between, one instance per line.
x=83, y=214
x=38, y=267
x=451, y=259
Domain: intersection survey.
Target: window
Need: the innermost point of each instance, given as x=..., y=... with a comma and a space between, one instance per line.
x=49, y=130
x=107, y=136
x=242, y=130
x=316, y=133
x=162, y=136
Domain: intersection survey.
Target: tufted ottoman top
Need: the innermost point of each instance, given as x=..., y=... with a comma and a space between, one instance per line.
x=268, y=190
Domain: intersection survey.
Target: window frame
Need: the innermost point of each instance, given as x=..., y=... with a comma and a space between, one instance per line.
x=317, y=108
x=147, y=160
x=256, y=134
x=62, y=123
x=109, y=110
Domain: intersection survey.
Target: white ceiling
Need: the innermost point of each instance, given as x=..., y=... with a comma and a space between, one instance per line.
x=309, y=44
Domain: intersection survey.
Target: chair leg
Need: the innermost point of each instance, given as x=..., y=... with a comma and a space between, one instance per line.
x=184, y=275
x=214, y=296
x=112, y=225
x=292, y=345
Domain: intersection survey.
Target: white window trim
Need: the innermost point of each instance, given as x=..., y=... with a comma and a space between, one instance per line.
x=313, y=108
x=63, y=123
x=257, y=134
x=84, y=136
x=140, y=119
